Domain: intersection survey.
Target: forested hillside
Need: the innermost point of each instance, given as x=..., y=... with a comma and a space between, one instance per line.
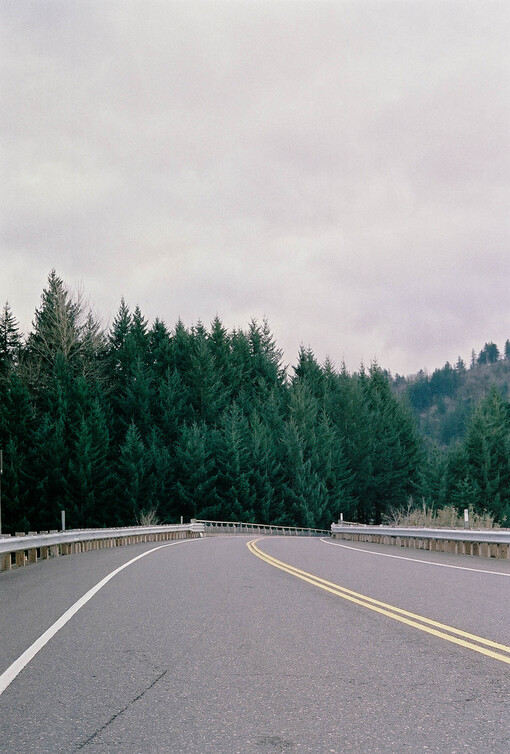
x=443, y=402
x=204, y=422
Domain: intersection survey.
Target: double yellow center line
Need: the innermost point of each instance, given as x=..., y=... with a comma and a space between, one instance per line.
x=442, y=631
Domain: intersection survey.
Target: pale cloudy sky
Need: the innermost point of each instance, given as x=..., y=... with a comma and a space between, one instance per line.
x=341, y=168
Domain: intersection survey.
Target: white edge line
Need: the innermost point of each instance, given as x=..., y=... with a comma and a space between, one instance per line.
x=8, y=676
x=416, y=560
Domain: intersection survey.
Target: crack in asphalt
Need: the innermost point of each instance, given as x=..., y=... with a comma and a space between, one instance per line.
x=121, y=712
x=114, y=717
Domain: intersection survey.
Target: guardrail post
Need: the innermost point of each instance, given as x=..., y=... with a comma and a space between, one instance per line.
x=5, y=562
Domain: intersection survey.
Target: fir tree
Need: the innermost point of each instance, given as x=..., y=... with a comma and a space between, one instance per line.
x=10, y=341
x=196, y=473
x=130, y=479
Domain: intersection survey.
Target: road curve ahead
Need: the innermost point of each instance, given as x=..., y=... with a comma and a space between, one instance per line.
x=227, y=644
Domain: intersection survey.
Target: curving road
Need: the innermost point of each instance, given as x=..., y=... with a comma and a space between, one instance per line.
x=288, y=644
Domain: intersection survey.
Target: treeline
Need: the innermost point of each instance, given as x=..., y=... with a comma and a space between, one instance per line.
x=443, y=402
x=207, y=423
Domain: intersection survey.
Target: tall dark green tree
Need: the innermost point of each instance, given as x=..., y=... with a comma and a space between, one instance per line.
x=11, y=341
x=395, y=448
x=206, y=391
x=196, y=473
x=487, y=453
x=234, y=466
x=51, y=452
x=17, y=439
x=489, y=354
x=130, y=482
x=89, y=479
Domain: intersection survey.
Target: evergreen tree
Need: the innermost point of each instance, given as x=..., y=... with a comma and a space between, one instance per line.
x=207, y=394
x=487, y=452
x=266, y=371
x=134, y=400
x=159, y=350
x=304, y=491
x=266, y=471
x=130, y=480
x=93, y=353
x=119, y=355
x=309, y=372
x=10, y=341
x=196, y=473
x=395, y=448
x=219, y=346
x=234, y=466
x=17, y=428
x=489, y=354
x=139, y=337
x=433, y=478
x=89, y=478
x=58, y=328
x=181, y=343
x=49, y=465
x=160, y=479
x=172, y=407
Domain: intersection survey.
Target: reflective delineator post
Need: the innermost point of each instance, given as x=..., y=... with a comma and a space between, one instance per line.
x=466, y=518
x=63, y=517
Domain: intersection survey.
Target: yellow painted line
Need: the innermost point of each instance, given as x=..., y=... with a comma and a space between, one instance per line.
x=403, y=616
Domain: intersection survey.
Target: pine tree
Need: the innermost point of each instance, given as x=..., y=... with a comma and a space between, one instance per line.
x=206, y=391
x=304, y=490
x=196, y=473
x=266, y=471
x=395, y=447
x=17, y=428
x=130, y=479
x=489, y=354
x=172, y=407
x=487, y=451
x=10, y=341
x=433, y=478
x=134, y=400
x=218, y=342
x=57, y=327
x=234, y=467
x=139, y=336
x=89, y=479
x=159, y=350
x=266, y=372
x=119, y=356
x=49, y=465
x=159, y=497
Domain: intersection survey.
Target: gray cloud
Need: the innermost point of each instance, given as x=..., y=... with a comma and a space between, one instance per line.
x=341, y=168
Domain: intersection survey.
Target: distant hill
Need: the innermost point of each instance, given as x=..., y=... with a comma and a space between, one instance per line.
x=443, y=402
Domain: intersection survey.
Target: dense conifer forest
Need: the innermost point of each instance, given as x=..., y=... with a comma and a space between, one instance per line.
x=202, y=422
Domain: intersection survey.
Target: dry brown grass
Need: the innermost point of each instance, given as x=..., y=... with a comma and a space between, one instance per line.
x=441, y=518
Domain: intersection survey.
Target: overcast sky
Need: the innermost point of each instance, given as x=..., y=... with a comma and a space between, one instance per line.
x=340, y=168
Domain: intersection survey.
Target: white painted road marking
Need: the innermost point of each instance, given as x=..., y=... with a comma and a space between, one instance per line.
x=17, y=666
x=417, y=560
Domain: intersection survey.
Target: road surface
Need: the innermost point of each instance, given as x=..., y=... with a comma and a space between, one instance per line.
x=284, y=645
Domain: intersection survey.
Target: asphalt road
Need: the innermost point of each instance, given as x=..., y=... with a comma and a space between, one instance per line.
x=204, y=647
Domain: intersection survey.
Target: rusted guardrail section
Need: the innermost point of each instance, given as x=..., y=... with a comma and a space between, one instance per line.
x=19, y=550
x=489, y=543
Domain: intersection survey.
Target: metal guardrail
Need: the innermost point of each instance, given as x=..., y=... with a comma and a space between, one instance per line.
x=468, y=535
x=31, y=547
x=241, y=527
x=492, y=543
